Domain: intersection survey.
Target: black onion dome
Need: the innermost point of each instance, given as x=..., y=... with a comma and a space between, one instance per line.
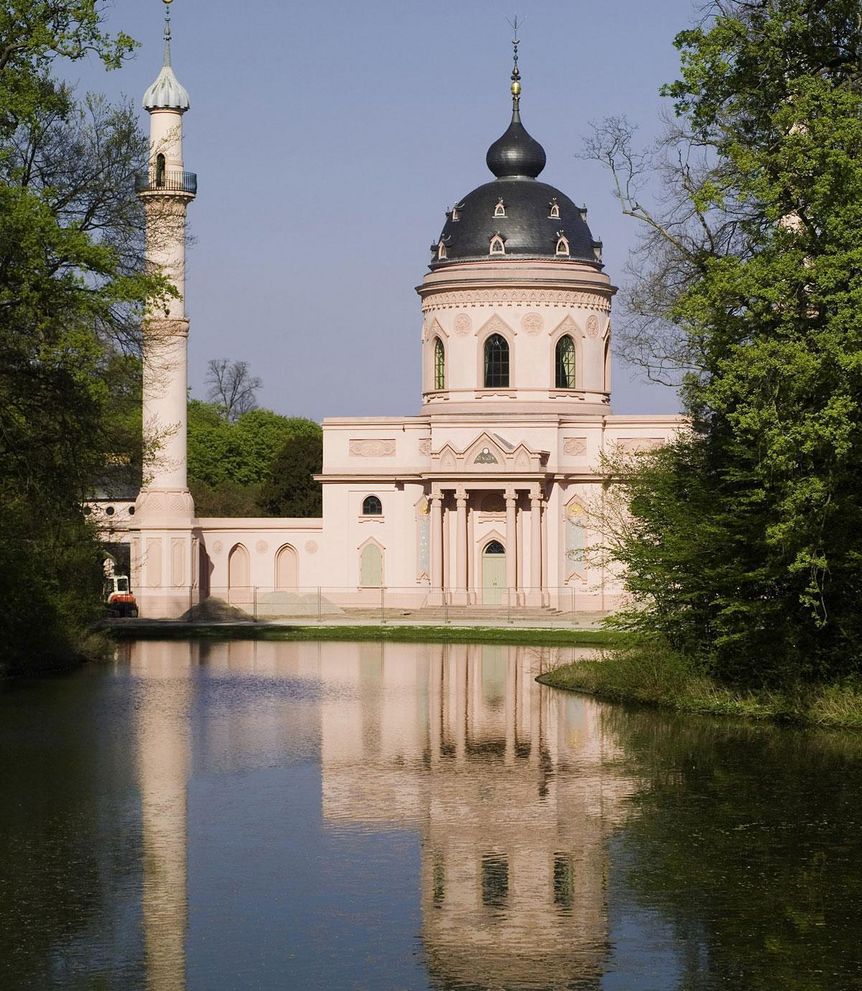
x=516, y=153
x=529, y=229
x=532, y=218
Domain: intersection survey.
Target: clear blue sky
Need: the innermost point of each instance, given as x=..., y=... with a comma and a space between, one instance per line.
x=330, y=136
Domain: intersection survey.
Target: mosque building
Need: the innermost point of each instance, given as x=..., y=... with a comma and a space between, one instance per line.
x=485, y=496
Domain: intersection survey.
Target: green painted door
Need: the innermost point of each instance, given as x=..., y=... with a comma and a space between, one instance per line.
x=493, y=574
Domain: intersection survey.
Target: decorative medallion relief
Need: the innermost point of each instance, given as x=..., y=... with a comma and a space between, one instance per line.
x=504, y=297
x=592, y=325
x=485, y=457
x=261, y=547
x=382, y=448
x=532, y=323
x=425, y=446
x=463, y=324
x=576, y=446
x=218, y=547
x=311, y=546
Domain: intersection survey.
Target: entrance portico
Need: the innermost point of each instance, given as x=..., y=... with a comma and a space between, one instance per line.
x=468, y=516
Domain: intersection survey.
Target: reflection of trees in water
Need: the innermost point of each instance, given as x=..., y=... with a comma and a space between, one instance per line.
x=749, y=841
x=67, y=853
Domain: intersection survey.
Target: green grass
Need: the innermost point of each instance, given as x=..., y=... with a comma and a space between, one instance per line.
x=131, y=630
x=649, y=675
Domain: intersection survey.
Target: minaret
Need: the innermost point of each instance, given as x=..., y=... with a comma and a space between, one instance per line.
x=164, y=550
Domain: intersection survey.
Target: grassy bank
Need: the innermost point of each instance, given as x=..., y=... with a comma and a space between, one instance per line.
x=658, y=677
x=150, y=630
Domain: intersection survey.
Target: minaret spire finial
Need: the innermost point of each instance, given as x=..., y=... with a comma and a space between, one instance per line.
x=516, y=72
x=167, y=4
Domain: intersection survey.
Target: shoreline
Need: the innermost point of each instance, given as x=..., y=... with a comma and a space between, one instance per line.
x=395, y=633
x=666, y=681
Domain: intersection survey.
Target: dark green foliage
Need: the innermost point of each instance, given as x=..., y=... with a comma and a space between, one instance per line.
x=71, y=294
x=746, y=539
x=291, y=489
x=231, y=462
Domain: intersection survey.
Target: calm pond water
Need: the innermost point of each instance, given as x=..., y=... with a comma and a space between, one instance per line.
x=329, y=815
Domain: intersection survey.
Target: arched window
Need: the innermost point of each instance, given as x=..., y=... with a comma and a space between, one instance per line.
x=160, y=170
x=495, y=547
x=498, y=246
x=562, y=245
x=372, y=506
x=496, y=362
x=500, y=208
x=439, y=364
x=565, y=363
x=554, y=213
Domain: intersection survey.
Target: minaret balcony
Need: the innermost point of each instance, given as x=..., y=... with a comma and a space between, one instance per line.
x=156, y=181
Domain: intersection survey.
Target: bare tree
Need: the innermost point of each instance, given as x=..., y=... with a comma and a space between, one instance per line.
x=697, y=215
x=232, y=386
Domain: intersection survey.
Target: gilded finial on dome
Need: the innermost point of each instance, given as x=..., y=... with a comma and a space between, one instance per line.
x=516, y=72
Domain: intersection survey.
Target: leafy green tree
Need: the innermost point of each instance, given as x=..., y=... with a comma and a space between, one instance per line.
x=229, y=462
x=291, y=489
x=745, y=541
x=72, y=292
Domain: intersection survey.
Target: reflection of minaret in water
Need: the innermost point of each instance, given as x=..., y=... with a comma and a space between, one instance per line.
x=162, y=671
x=506, y=782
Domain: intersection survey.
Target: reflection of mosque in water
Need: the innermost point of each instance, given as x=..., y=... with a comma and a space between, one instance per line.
x=506, y=782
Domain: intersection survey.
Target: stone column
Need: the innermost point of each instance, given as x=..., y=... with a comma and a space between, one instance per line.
x=511, y=543
x=436, y=500
x=546, y=594
x=535, y=597
x=472, y=568
x=460, y=547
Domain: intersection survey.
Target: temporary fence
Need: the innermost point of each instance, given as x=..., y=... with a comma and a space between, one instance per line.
x=335, y=605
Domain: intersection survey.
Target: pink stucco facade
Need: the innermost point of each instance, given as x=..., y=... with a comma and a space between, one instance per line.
x=490, y=494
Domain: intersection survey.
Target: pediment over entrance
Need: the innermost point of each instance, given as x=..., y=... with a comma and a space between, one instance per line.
x=487, y=453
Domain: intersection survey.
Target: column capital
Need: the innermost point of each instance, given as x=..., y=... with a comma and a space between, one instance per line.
x=461, y=494
x=510, y=494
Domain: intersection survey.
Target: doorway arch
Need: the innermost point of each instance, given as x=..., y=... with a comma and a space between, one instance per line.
x=493, y=573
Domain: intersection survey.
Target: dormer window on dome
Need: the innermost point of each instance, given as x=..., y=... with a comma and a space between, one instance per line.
x=498, y=245
x=597, y=250
x=562, y=249
x=500, y=208
x=455, y=212
x=441, y=251
x=554, y=212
